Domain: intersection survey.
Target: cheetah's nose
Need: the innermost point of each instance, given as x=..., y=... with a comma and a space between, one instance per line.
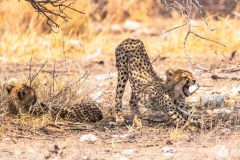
x=194, y=81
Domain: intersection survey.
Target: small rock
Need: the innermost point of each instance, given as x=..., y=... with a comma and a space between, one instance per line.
x=131, y=25
x=88, y=138
x=31, y=151
x=96, y=95
x=125, y=136
x=222, y=110
x=147, y=31
x=74, y=42
x=213, y=101
x=168, y=152
x=222, y=152
x=111, y=123
x=127, y=151
x=120, y=158
x=116, y=28
x=98, y=53
x=235, y=90
x=225, y=130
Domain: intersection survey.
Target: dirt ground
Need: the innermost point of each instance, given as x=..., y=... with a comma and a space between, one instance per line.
x=122, y=143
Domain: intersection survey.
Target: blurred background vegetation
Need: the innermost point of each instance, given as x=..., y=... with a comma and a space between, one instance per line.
x=105, y=23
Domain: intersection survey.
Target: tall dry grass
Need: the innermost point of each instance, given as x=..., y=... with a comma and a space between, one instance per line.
x=23, y=32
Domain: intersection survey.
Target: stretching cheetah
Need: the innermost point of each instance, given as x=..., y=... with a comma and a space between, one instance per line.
x=148, y=89
x=22, y=98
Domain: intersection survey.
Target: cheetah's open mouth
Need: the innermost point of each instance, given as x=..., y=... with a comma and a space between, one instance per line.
x=186, y=91
x=189, y=90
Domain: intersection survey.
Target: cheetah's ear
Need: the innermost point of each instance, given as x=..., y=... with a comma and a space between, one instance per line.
x=170, y=73
x=9, y=88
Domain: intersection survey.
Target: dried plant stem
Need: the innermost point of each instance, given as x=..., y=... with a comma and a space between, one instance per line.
x=30, y=76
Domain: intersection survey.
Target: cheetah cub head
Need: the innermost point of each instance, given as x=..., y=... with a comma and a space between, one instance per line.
x=181, y=83
x=21, y=97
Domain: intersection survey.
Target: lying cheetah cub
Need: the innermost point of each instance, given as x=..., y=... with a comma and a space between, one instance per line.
x=148, y=89
x=22, y=98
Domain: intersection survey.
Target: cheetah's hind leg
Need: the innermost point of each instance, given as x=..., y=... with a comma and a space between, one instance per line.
x=122, y=80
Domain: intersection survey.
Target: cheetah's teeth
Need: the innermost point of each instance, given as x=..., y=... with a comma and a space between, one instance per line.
x=193, y=89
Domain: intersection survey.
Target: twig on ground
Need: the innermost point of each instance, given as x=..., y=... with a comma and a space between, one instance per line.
x=214, y=76
x=29, y=137
x=231, y=70
x=71, y=126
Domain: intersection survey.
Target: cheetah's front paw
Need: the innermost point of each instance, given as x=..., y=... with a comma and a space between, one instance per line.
x=119, y=120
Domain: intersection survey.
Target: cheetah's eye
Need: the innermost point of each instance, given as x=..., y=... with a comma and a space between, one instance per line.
x=184, y=77
x=21, y=94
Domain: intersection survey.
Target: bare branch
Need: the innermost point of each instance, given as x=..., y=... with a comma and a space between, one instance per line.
x=174, y=28
x=208, y=39
x=186, y=7
x=51, y=9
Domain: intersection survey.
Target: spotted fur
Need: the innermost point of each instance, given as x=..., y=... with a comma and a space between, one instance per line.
x=22, y=98
x=148, y=89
